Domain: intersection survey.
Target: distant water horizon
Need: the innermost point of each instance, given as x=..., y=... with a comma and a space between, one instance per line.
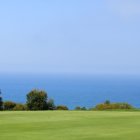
x=73, y=90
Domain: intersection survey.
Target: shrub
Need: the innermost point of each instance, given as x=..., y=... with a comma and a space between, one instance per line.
x=19, y=107
x=80, y=108
x=9, y=105
x=62, y=107
x=105, y=106
x=125, y=106
x=83, y=108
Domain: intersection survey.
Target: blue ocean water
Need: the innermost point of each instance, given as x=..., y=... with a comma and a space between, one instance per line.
x=73, y=90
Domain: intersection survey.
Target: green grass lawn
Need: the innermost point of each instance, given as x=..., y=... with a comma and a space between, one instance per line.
x=70, y=125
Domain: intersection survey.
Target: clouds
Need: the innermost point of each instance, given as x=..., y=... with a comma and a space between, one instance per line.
x=125, y=8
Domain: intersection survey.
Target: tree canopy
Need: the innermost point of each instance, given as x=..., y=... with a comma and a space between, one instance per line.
x=37, y=100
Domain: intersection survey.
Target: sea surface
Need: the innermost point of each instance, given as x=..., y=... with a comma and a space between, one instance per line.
x=74, y=90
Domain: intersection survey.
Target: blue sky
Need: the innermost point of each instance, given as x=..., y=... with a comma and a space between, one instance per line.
x=70, y=36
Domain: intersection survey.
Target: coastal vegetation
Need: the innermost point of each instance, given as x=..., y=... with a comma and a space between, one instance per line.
x=62, y=107
x=80, y=108
x=112, y=106
x=38, y=100
x=9, y=105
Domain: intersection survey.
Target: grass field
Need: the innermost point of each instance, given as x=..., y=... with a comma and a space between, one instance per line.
x=70, y=125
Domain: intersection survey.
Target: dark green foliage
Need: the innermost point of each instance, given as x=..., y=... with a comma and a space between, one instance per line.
x=77, y=108
x=20, y=107
x=107, y=102
x=1, y=102
x=9, y=105
x=50, y=104
x=80, y=108
x=113, y=106
x=37, y=100
x=62, y=107
x=83, y=108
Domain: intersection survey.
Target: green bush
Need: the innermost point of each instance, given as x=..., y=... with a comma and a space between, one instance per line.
x=62, y=107
x=20, y=107
x=112, y=106
x=77, y=108
x=9, y=105
x=80, y=108
x=83, y=108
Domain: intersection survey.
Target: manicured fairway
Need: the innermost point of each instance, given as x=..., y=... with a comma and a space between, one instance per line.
x=70, y=125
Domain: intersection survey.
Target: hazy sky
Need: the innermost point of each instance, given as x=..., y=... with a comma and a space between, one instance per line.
x=70, y=36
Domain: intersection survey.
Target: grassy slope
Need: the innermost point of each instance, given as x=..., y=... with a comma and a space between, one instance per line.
x=70, y=125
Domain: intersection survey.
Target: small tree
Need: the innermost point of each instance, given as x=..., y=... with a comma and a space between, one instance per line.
x=1, y=102
x=37, y=100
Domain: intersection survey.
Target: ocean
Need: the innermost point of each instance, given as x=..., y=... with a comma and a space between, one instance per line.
x=73, y=90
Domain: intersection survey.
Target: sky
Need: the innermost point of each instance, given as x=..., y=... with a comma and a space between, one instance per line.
x=70, y=36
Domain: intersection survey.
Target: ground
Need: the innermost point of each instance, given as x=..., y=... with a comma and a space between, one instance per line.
x=70, y=125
